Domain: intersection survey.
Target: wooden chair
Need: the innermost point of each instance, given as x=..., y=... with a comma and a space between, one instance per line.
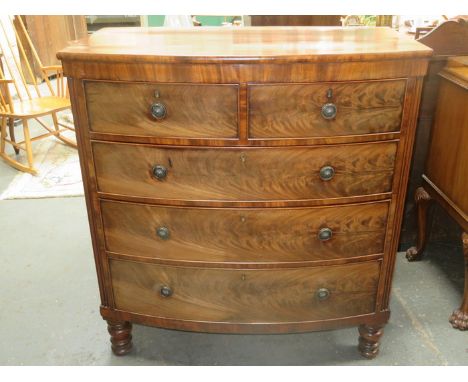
x=30, y=103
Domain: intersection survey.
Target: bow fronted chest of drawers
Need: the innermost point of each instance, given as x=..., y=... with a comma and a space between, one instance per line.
x=245, y=180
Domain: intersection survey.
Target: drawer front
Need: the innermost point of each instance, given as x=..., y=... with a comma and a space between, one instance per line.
x=191, y=111
x=245, y=296
x=295, y=111
x=244, y=174
x=244, y=235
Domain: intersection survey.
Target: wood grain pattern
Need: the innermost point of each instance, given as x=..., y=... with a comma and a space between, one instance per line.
x=245, y=141
x=447, y=163
x=243, y=45
x=242, y=73
x=244, y=174
x=294, y=110
x=212, y=180
x=196, y=111
x=374, y=318
x=244, y=235
x=399, y=187
x=245, y=296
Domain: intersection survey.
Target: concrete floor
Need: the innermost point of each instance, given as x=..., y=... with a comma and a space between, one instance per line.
x=49, y=306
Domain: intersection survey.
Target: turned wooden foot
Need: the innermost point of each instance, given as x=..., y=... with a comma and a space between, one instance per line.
x=422, y=200
x=369, y=337
x=459, y=318
x=121, y=336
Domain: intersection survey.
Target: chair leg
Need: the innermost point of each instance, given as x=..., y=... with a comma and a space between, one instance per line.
x=27, y=143
x=67, y=141
x=11, y=124
x=27, y=140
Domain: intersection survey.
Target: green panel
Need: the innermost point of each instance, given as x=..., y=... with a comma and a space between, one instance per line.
x=156, y=20
x=213, y=20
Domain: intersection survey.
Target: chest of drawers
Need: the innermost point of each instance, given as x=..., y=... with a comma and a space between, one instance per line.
x=245, y=180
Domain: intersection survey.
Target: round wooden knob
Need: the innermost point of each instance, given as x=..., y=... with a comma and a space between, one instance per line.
x=166, y=291
x=325, y=234
x=329, y=110
x=327, y=172
x=158, y=110
x=159, y=172
x=323, y=294
x=163, y=233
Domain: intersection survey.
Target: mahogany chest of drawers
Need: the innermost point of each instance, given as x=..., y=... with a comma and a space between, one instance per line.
x=246, y=180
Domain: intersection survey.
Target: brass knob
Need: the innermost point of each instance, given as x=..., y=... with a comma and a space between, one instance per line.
x=327, y=172
x=329, y=110
x=159, y=172
x=322, y=294
x=158, y=110
x=163, y=233
x=166, y=291
x=325, y=234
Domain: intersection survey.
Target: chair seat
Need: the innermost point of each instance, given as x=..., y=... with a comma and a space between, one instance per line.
x=38, y=106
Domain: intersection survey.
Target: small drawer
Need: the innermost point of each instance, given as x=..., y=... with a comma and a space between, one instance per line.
x=162, y=110
x=249, y=235
x=245, y=295
x=325, y=109
x=244, y=174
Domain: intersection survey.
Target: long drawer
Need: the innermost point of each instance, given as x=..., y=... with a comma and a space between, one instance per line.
x=244, y=174
x=250, y=235
x=245, y=296
x=163, y=110
x=325, y=109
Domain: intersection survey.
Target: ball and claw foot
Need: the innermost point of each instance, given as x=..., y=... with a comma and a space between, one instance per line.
x=369, y=337
x=412, y=254
x=121, y=336
x=459, y=319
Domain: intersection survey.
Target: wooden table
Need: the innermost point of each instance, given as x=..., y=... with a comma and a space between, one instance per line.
x=445, y=179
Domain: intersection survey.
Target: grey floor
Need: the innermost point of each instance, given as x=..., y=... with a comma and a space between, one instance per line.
x=49, y=306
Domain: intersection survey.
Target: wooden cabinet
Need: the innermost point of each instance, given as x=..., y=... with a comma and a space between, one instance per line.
x=445, y=178
x=449, y=39
x=48, y=35
x=245, y=180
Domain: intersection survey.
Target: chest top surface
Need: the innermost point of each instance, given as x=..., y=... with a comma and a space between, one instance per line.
x=242, y=45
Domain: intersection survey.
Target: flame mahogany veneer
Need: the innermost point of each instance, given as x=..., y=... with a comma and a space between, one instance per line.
x=245, y=180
